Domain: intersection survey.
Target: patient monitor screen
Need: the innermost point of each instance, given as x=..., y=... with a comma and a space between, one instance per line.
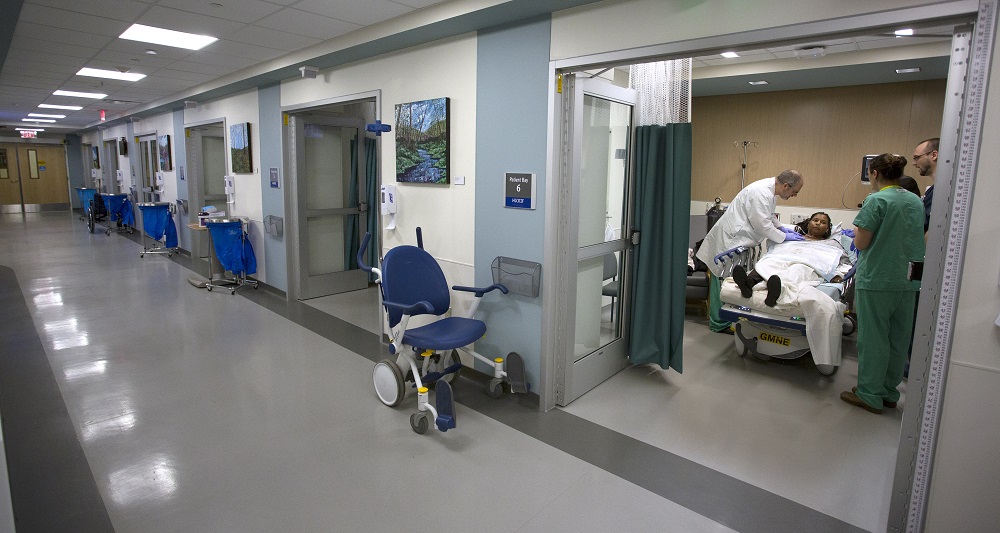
x=865, y=162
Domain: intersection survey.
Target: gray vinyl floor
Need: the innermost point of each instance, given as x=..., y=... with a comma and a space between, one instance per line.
x=133, y=401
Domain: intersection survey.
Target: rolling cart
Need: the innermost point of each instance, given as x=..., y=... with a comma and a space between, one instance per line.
x=232, y=247
x=119, y=209
x=158, y=224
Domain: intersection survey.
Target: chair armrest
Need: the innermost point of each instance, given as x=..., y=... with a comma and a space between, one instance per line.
x=481, y=291
x=423, y=306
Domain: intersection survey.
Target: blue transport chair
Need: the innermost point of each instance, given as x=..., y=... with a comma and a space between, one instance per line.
x=234, y=252
x=119, y=209
x=158, y=224
x=412, y=284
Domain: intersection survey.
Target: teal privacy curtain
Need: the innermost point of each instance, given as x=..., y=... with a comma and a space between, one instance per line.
x=659, y=265
x=371, y=198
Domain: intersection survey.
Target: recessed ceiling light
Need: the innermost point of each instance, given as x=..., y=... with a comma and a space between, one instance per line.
x=907, y=70
x=28, y=129
x=179, y=39
x=903, y=33
x=151, y=52
x=80, y=95
x=729, y=55
x=42, y=115
x=760, y=82
x=36, y=120
x=53, y=106
x=110, y=74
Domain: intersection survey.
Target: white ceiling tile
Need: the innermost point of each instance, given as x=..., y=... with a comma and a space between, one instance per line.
x=50, y=48
x=245, y=11
x=184, y=74
x=126, y=46
x=34, y=31
x=310, y=24
x=177, y=20
x=127, y=10
x=140, y=62
x=417, y=3
x=208, y=58
x=57, y=63
x=61, y=18
x=212, y=71
x=23, y=80
x=829, y=43
x=288, y=42
x=370, y=12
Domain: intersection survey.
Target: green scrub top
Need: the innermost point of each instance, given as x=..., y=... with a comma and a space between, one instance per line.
x=895, y=216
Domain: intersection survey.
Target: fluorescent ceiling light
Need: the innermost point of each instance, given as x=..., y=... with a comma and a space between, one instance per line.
x=53, y=106
x=28, y=129
x=761, y=82
x=729, y=55
x=907, y=70
x=901, y=33
x=80, y=95
x=110, y=74
x=36, y=120
x=42, y=115
x=179, y=39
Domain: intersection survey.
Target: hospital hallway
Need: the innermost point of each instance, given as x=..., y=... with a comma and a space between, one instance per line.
x=134, y=402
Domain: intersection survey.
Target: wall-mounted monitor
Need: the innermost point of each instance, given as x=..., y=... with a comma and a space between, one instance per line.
x=865, y=162
x=122, y=146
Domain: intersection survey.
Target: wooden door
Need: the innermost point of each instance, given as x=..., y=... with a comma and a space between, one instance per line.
x=44, y=179
x=10, y=187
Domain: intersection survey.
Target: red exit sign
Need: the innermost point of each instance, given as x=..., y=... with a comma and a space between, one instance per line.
x=29, y=134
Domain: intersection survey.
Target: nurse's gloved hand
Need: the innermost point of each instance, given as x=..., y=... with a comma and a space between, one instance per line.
x=848, y=232
x=791, y=235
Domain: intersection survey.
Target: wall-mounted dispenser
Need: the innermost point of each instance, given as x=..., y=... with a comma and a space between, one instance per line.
x=390, y=205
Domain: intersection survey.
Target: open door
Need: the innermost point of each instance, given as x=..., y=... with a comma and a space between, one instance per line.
x=328, y=185
x=597, y=174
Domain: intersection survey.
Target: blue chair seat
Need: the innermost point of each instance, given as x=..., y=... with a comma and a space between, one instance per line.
x=446, y=334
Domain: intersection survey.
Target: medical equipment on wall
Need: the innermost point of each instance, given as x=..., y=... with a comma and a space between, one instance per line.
x=389, y=201
x=743, y=163
x=230, y=190
x=412, y=283
x=120, y=177
x=866, y=162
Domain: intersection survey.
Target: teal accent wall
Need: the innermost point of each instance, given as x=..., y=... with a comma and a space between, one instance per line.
x=272, y=200
x=179, y=142
x=511, y=121
x=74, y=165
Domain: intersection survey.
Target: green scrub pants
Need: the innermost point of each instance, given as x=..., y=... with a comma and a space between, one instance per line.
x=885, y=327
x=714, y=304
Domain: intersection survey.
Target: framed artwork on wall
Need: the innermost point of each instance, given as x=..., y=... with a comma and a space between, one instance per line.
x=422, y=142
x=239, y=148
x=96, y=157
x=163, y=149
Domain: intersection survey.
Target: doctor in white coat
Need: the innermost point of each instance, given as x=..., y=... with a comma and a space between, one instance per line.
x=747, y=222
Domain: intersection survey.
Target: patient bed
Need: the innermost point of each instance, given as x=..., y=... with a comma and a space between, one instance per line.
x=808, y=318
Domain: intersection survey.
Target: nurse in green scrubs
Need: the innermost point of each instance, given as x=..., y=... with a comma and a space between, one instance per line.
x=889, y=234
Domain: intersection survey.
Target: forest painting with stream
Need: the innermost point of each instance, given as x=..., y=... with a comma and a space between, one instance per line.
x=422, y=142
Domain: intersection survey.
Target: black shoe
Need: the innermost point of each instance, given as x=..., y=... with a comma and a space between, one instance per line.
x=773, y=291
x=742, y=281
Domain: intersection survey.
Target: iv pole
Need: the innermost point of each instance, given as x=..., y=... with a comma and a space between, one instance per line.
x=743, y=165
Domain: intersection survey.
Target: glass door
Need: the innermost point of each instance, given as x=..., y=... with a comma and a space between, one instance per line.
x=599, y=174
x=329, y=179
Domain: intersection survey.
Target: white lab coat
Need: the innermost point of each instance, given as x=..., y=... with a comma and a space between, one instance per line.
x=747, y=222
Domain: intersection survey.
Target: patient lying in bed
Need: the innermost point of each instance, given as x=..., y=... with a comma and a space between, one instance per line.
x=794, y=270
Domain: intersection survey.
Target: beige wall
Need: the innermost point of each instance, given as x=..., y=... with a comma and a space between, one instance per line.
x=823, y=133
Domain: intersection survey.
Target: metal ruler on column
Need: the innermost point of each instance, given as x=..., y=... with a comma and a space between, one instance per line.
x=980, y=47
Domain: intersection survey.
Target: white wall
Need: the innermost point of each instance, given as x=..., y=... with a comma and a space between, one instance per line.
x=445, y=68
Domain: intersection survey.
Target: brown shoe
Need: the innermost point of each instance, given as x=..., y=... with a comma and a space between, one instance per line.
x=853, y=399
x=890, y=405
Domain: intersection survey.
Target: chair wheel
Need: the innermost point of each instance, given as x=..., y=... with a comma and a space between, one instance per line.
x=388, y=381
x=419, y=423
x=494, y=389
x=209, y=287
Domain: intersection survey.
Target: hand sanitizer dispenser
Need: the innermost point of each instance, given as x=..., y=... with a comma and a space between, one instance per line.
x=230, y=192
x=389, y=205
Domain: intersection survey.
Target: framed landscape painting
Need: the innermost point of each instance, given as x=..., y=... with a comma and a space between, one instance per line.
x=422, y=142
x=239, y=148
x=163, y=150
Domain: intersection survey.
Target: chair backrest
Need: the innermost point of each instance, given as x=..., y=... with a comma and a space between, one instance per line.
x=610, y=266
x=409, y=275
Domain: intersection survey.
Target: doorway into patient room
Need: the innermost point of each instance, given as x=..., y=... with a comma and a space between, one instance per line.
x=333, y=182
x=205, y=146
x=781, y=426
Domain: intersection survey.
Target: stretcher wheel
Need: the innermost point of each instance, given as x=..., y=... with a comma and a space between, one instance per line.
x=827, y=370
x=90, y=218
x=209, y=287
x=388, y=381
x=419, y=423
x=494, y=389
x=850, y=324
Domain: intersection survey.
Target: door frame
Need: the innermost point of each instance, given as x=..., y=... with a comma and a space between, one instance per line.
x=196, y=179
x=291, y=194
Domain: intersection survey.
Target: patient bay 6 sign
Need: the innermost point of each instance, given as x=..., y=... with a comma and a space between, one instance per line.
x=519, y=190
